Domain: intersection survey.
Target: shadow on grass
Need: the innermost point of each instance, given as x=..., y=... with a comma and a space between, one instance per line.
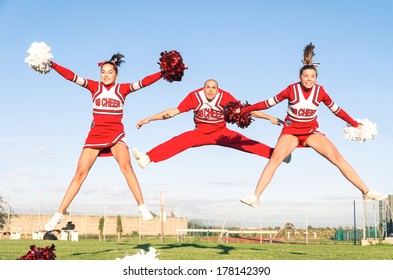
x=224, y=250
x=145, y=247
x=92, y=253
x=258, y=249
x=297, y=253
x=119, y=247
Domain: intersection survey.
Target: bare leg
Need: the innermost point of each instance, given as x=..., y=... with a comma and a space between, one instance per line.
x=122, y=156
x=86, y=161
x=326, y=148
x=285, y=145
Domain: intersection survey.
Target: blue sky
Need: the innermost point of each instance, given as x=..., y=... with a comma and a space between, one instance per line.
x=252, y=48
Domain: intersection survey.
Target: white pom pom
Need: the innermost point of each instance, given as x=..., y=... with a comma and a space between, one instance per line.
x=142, y=255
x=39, y=57
x=364, y=132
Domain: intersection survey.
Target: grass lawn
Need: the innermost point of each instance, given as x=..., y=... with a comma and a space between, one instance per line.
x=92, y=249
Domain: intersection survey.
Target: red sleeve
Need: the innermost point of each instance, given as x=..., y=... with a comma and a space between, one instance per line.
x=148, y=80
x=189, y=102
x=337, y=110
x=71, y=76
x=227, y=97
x=127, y=88
x=66, y=73
x=255, y=107
x=266, y=104
x=344, y=116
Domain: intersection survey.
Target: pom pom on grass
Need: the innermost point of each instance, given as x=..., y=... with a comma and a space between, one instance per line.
x=39, y=253
x=242, y=120
x=172, y=66
x=40, y=57
x=364, y=132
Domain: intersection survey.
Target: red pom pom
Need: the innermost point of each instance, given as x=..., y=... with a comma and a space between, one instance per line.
x=39, y=253
x=172, y=66
x=242, y=120
x=230, y=116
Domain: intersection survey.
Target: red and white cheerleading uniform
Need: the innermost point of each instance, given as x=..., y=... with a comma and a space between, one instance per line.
x=210, y=129
x=107, y=128
x=301, y=119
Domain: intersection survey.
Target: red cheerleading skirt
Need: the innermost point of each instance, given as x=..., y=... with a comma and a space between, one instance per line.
x=104, y=136
x=302, y=132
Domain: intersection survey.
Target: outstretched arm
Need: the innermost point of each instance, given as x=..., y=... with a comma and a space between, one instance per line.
x=338, y=111
x=147, y=81
x=68, y=74
x=167, y=114
x=266, y=104
x=260, y=115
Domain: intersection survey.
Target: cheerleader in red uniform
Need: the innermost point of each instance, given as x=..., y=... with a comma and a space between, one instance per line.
x=210, y=127
x=106, y=136
x=301, y=129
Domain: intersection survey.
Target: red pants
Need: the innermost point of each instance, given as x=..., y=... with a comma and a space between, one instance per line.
x=194, y=138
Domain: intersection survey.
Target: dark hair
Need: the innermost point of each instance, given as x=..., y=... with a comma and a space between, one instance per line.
x=116, y=60
x=306, y=67
x=308, y=53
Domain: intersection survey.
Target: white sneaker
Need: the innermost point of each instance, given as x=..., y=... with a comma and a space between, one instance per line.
x=145, y=212
x=374, y=195
x=288, y=158
x=54, y=221
x=142, y=158
x=251, y=200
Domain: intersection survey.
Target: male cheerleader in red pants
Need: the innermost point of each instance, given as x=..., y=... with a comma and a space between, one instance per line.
x=210, y=127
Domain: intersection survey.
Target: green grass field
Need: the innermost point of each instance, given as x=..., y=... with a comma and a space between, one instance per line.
x=194, y=249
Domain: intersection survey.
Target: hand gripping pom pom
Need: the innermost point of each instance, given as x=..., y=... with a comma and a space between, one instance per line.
x=141, y=255
x=39, y=253
x=172, y=66
x=39, y=57
x=242, y=120
x=365, y=131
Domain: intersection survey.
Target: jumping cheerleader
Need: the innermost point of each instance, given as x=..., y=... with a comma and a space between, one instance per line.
x=210, y=127
x=301, y=129
x=106, y=136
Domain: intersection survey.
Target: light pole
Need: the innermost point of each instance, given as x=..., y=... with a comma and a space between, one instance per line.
x=8, y=216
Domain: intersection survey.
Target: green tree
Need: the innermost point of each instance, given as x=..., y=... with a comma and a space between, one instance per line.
x=119, y=228
x=101, y=228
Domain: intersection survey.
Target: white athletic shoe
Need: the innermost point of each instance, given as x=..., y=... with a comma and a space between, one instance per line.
x=145, y=212
x=54, y=221
x=288, y=158
x=251, y=200
x=374, y=195
x=142, y=158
